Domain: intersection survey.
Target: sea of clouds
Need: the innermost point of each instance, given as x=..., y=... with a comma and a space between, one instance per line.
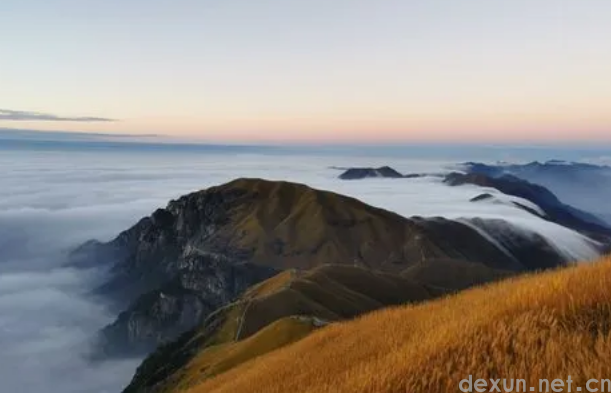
x=54, y=199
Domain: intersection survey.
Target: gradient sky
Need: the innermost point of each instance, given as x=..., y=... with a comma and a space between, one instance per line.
x=310, y=70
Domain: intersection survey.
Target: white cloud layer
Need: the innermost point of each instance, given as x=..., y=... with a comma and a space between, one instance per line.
x=51, y=201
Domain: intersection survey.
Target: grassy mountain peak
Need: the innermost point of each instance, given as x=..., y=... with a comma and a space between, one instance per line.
x=547, y=325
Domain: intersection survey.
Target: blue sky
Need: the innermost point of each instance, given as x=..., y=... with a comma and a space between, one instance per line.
x=311, y=70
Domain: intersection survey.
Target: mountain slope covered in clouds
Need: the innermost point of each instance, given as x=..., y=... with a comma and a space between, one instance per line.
x=530, y=197
x=583, y=185
x=177, y=266
x=551, y=208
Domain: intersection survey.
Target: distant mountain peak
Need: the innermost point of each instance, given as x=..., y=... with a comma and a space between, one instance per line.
x=362, y=173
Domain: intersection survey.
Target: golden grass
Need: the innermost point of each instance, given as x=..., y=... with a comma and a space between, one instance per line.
x=329, y=292
x=228, y=329
x=233, y=314
x=220, y=358
x=548, y=325
x=281, y=310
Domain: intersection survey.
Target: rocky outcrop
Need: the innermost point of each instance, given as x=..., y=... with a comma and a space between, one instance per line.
x=174, y=268
x=179, y=304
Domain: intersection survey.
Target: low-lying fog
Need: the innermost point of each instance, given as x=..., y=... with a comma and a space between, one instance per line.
x=50, y=201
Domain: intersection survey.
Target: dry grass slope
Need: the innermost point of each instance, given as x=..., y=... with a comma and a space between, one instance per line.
x=281, y=310
x=547, y=325
x=223, y=357
x=327, y=293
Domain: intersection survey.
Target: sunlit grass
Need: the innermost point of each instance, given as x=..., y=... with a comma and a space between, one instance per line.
x=217, y=359
x=547, y=325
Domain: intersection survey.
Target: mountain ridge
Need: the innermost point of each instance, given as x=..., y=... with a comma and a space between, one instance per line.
x=541, y=326
x=175, y=267
x=323, y=295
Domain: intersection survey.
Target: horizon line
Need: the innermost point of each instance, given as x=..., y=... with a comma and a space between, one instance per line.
x=152, y=139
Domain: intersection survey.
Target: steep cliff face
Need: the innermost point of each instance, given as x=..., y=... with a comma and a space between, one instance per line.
x=174, y=243
x=174, y=268
x=201, y=286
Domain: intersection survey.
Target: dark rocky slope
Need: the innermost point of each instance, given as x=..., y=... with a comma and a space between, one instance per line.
x=174, y=268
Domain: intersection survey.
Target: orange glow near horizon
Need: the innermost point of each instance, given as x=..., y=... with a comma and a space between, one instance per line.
x=315, y=71
x=352, y=132
x=359, y=129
